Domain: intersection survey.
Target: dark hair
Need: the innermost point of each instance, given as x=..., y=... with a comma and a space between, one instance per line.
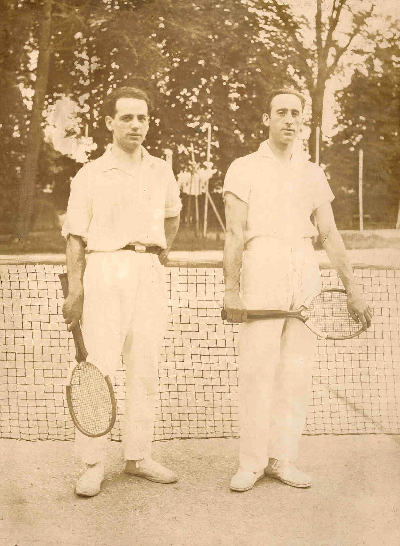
x=283, y=91
x=110, y=102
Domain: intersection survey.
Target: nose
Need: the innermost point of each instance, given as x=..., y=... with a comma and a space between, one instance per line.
x=134, y=122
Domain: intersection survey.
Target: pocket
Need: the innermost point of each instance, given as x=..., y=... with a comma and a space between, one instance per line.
x=311, y=283
x=266, y=279
x=159, y=270
x=106, y=212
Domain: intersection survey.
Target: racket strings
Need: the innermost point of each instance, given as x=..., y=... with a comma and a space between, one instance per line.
x=329, y=313
x=90, y=399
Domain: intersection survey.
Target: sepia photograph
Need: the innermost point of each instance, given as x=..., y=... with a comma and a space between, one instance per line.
x=199, y=273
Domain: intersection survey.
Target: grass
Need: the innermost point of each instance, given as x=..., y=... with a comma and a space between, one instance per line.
x=51, y=242
x=186, y=240
x=356, y=239
x=43, y=242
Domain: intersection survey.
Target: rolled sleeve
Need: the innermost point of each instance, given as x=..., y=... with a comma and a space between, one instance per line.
x=322, y=192
x=173, y=203
x=79, y=210
x=237, y=182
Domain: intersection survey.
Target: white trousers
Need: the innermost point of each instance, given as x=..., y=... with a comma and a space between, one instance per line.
x=275, y=356
x=124, y=313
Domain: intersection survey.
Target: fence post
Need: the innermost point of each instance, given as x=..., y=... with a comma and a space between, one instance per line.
x=206, y=193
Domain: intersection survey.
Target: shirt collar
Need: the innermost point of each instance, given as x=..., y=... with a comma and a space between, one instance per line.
x=110, y=161
x=298, y=155
x=265, y=149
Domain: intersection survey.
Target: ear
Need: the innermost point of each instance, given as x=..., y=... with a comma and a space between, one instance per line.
x=109, y=123
x=266, y=120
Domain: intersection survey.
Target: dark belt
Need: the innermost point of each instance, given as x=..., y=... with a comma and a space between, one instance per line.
x=151, y=249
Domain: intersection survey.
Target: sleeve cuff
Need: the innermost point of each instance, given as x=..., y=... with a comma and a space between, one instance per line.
x=328, y=199
x=173, y=211
x=233, y=192
x=67, y=231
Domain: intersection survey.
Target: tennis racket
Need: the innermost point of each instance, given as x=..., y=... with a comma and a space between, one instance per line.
x=326, y=315
x=90, y=395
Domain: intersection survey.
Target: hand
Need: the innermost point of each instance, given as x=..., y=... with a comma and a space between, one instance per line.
x=163, y=256
x=233, y=305
x=359, y=310
x=72, y=310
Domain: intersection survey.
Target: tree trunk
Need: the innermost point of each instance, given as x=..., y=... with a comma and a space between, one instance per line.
x=34, y=141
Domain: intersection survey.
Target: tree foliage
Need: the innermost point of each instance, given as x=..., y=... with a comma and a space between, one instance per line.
x=201, y=62
x=204, y=61
x=334, y=29
x=218, y=71
x=15, y=30
x=369, y=120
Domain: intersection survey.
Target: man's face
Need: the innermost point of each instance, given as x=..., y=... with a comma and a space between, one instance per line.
x=285, y=119
x=130, y=124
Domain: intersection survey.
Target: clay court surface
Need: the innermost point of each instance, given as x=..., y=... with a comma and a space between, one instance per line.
x=354, y=500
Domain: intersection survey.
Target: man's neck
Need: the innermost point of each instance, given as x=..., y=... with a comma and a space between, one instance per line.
x=133, y=157
x=282, y=153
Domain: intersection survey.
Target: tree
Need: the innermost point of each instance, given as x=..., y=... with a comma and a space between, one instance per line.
x=14, y=75
x=53, y=34
x=315, y=64
x=369, y=119
x=34, y=139
x=218, y=71
x=200, y=62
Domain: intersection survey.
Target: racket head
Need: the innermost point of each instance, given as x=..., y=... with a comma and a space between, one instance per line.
x=329, y=318
x=91, y=400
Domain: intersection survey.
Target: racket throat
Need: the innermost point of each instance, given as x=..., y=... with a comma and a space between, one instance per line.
x=303, y=313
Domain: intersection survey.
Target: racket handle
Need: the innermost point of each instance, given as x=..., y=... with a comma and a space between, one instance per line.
x=267, y=314
x=81, y=352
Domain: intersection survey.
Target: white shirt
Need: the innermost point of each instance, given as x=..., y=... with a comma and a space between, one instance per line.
x=112, y=204
x=280, y=198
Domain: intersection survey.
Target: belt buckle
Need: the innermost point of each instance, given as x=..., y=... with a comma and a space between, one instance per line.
x=140, y=248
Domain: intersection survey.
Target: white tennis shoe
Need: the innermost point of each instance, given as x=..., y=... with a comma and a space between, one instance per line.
x=244, y=480
x=150, y=470
x=287, y=473
x=89, y=483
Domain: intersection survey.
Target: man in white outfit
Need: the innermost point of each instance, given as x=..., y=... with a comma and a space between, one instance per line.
x=269, y=263
x=122, y=217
